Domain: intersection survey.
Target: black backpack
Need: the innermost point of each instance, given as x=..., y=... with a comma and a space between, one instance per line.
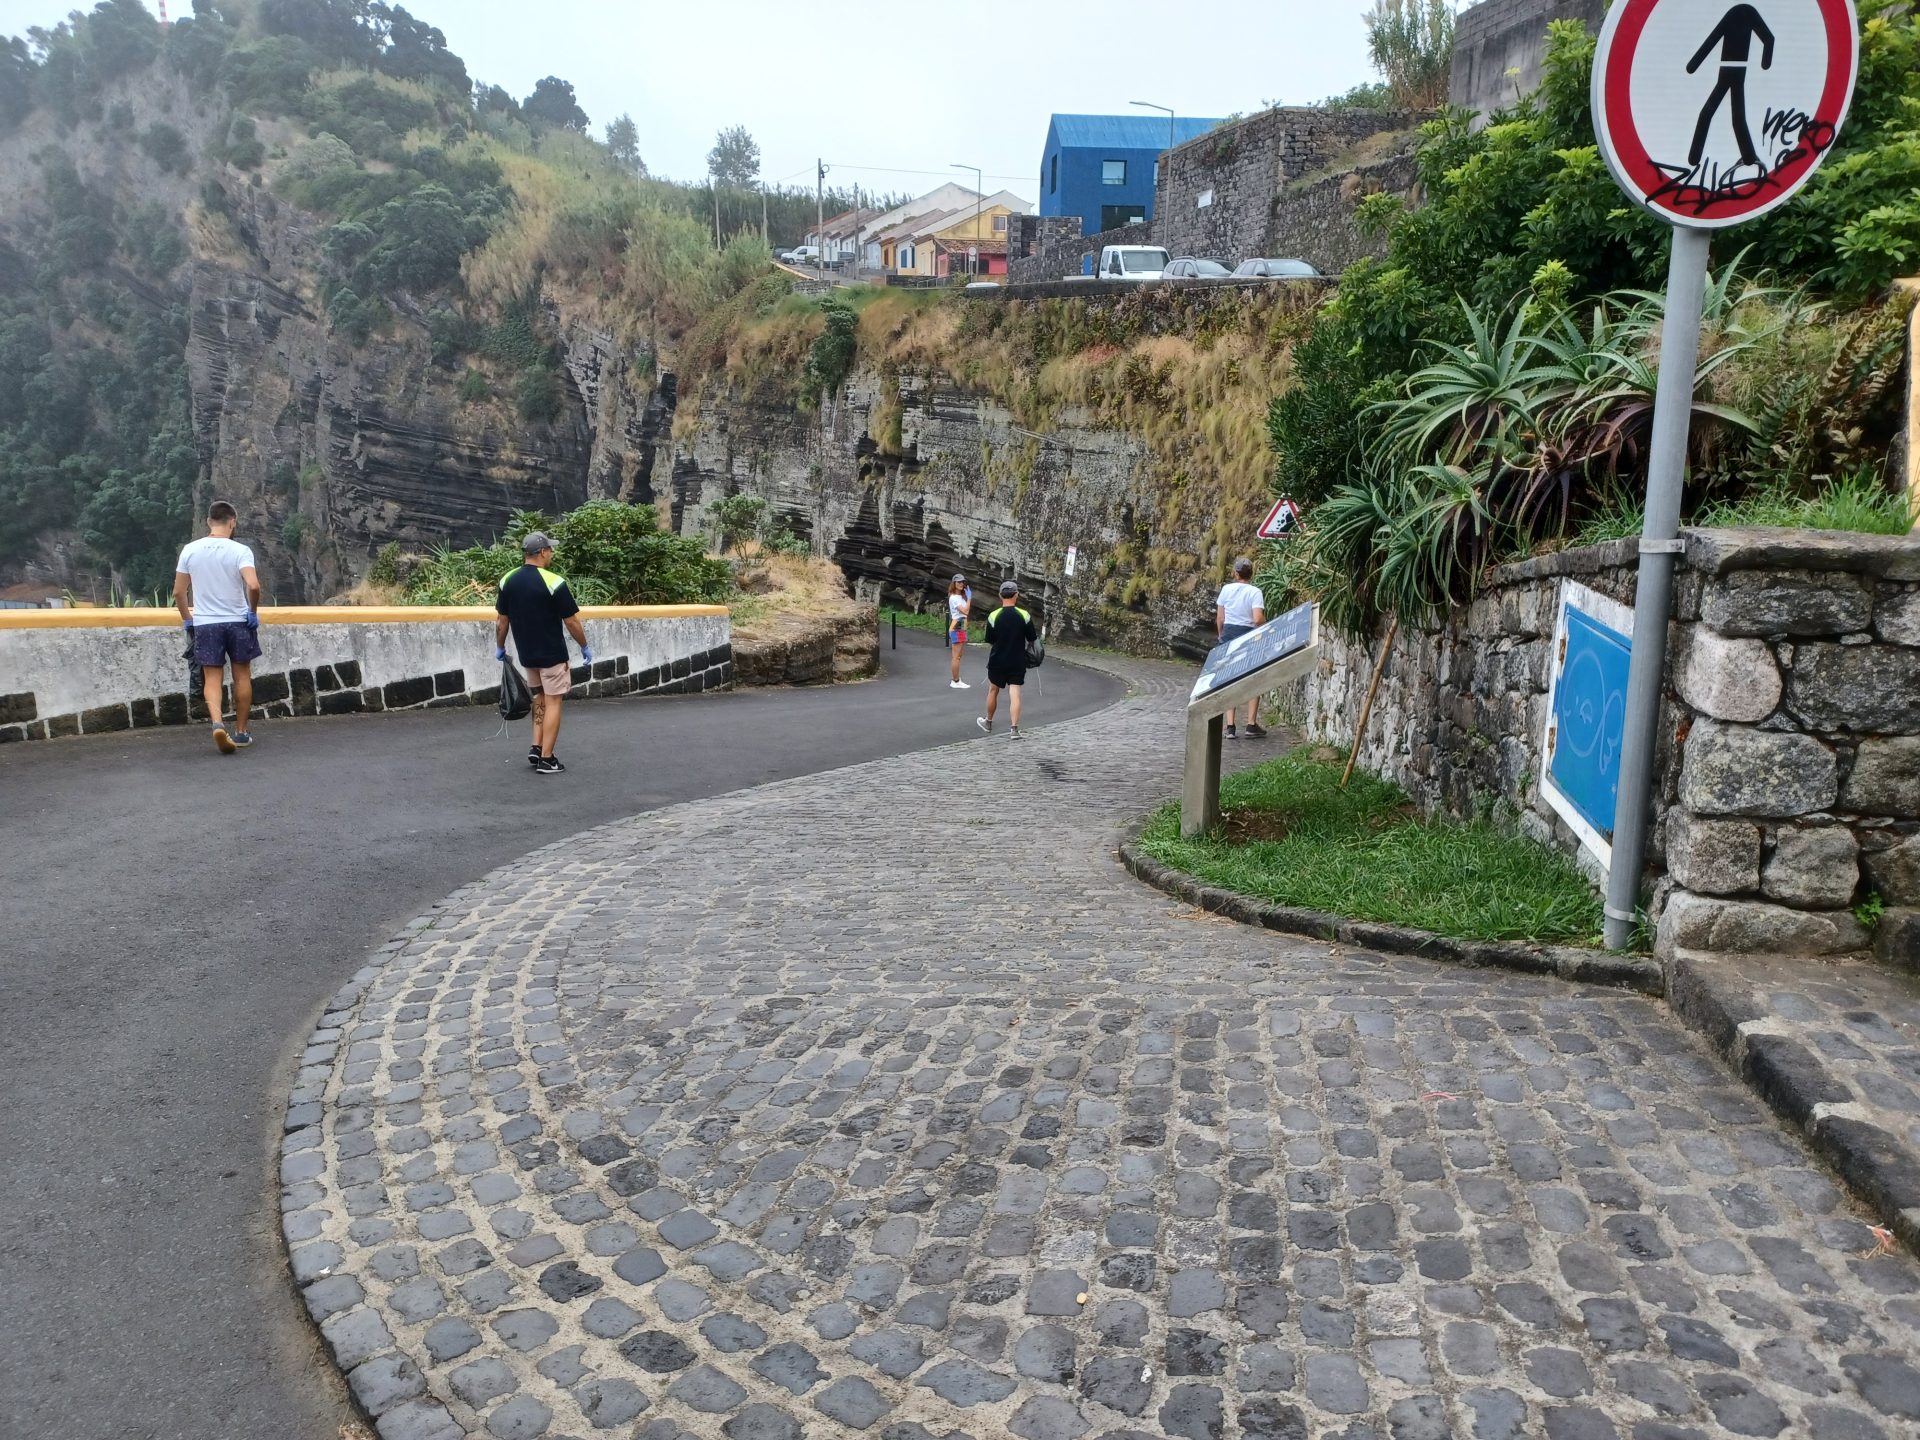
x=1037, y=650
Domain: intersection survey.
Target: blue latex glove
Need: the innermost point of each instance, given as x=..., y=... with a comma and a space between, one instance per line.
x=586, y=654
x=187, y=625
x=500, y=652
x=253, y=620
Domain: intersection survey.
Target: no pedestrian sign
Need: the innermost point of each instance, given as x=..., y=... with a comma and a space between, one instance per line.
x=1711, y=112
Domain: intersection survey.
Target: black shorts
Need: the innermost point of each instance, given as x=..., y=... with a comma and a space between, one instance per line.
x=1002, y=678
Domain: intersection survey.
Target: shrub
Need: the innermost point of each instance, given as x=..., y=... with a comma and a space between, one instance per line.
x=734, y=518
x=385, y=569
x=610, y=553
x=540, y=395
x=830, y=359
x=473, y=387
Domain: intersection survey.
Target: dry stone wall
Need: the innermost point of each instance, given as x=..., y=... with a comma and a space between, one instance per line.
x=1218, y=195
x=1788, y=769
x=1500, y=47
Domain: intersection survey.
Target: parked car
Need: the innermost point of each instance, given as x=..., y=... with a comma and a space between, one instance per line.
x=1192, y=267
x=1275, y=270
x=802, y=255
x=1130, y=262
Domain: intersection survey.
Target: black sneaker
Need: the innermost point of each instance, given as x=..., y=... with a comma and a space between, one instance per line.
x=1232, y=734
x=1256, y=732
x=533, y=754
x=549, y=765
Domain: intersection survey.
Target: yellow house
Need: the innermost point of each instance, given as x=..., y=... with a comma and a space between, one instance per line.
x=946, y=243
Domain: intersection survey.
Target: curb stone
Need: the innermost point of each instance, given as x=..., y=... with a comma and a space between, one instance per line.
x=1799, y=1088
x=1596, y=967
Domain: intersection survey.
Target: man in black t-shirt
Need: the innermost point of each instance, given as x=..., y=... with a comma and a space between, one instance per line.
x=1009, y=631
x=537, y=606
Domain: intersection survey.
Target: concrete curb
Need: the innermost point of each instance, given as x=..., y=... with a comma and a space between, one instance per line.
x=1595, y=967
x=1798, y=1087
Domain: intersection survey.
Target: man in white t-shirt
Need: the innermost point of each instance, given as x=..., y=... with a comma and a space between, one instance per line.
x=218, y=595
x=1238, y=609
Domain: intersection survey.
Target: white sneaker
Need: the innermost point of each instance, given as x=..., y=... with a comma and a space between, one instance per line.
x=958, y=685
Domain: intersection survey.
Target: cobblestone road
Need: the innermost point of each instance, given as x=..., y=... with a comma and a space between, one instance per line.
x=883, y=1102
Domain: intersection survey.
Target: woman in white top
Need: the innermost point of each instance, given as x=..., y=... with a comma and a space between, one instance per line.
x=959, y=607
x=1238, y=609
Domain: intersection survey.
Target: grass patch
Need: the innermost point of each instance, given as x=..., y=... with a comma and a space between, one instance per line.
x=1290, y=835
x=1857, y=502
x=934, y=620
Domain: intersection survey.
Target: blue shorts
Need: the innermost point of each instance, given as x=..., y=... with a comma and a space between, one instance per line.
x=214, y=645
x=1233, y=632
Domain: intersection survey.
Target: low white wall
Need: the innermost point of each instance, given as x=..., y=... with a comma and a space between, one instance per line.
x=74, y=672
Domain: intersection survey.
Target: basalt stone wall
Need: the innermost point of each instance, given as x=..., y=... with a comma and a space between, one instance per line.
x=1218, y=194
x=1313, y=219
x=1499, y=47
x=87, y=680
x=1788, y=773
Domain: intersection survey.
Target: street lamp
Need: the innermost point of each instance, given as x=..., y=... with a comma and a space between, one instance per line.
x=1149, y=105
x=979, y=197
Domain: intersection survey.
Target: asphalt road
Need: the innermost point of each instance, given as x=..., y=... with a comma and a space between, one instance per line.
x=175, y=920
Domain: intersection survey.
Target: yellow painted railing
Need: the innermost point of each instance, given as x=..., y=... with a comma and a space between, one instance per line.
x=80, y=618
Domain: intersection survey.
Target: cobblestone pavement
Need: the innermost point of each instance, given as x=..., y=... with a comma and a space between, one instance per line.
x=883, y=1102
x=1834, y=1046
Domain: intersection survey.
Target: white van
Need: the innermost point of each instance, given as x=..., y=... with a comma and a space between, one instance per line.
x=1131, y=262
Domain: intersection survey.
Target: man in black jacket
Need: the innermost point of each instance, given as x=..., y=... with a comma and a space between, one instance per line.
x=1009, y=631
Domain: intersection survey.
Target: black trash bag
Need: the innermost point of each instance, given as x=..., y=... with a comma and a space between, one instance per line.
x=1037, y=651
x=516, y=700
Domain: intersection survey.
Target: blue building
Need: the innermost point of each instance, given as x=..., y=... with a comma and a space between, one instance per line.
x=1100, y=167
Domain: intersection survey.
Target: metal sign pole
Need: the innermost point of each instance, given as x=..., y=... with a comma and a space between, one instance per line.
x=1659, y=547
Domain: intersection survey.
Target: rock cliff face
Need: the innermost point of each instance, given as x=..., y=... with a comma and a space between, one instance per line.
x=379, y=443
x=960, y=486
x=330, y=450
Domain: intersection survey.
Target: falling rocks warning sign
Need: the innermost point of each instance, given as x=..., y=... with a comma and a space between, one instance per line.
x=1711, y=112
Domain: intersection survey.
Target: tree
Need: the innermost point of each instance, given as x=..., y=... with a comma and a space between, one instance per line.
x=734, y=159
x=1411, y=44
x=552, y=104
x=415, y=50
x=623, y=139
x=16, y=81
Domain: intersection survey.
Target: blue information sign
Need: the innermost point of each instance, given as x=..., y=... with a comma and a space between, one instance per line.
x=1589, y=714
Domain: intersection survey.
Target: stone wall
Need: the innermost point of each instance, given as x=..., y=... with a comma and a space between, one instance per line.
x=1062, y=251
x=1313, y=219
x=1499, y=47
x=1216, y=194
x=1788, y=774
x=66, y=672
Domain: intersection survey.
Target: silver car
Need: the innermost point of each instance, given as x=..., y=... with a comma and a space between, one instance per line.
x=1192, y=267
x=1276, y=270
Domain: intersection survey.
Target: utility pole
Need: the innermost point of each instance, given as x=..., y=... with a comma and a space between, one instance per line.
x=819, y=216
x=979, y=198
x=1149, y=105
x=859, y=224
x=715, y=182
x=763, y=214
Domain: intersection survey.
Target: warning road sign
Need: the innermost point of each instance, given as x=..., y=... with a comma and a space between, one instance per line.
x=1710, y=112
x=1281, y=521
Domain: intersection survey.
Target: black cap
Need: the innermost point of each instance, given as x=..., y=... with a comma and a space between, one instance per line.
x=1008, y=589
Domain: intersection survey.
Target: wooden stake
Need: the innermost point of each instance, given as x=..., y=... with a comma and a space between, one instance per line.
x=1366, y=709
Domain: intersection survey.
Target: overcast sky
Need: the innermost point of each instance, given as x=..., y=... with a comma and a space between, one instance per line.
x=879, y=89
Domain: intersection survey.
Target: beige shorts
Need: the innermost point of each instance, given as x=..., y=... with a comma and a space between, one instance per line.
x=549, y=679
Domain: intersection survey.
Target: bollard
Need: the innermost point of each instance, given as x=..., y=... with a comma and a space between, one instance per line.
x=893, y=619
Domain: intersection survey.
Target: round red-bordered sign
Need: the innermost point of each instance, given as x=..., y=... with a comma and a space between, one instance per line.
x=1711, y=112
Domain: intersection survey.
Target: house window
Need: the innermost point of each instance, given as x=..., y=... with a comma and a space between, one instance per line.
x=1113, y=172
x=999, y=224
x=1053, y=174
x=1112, y=217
